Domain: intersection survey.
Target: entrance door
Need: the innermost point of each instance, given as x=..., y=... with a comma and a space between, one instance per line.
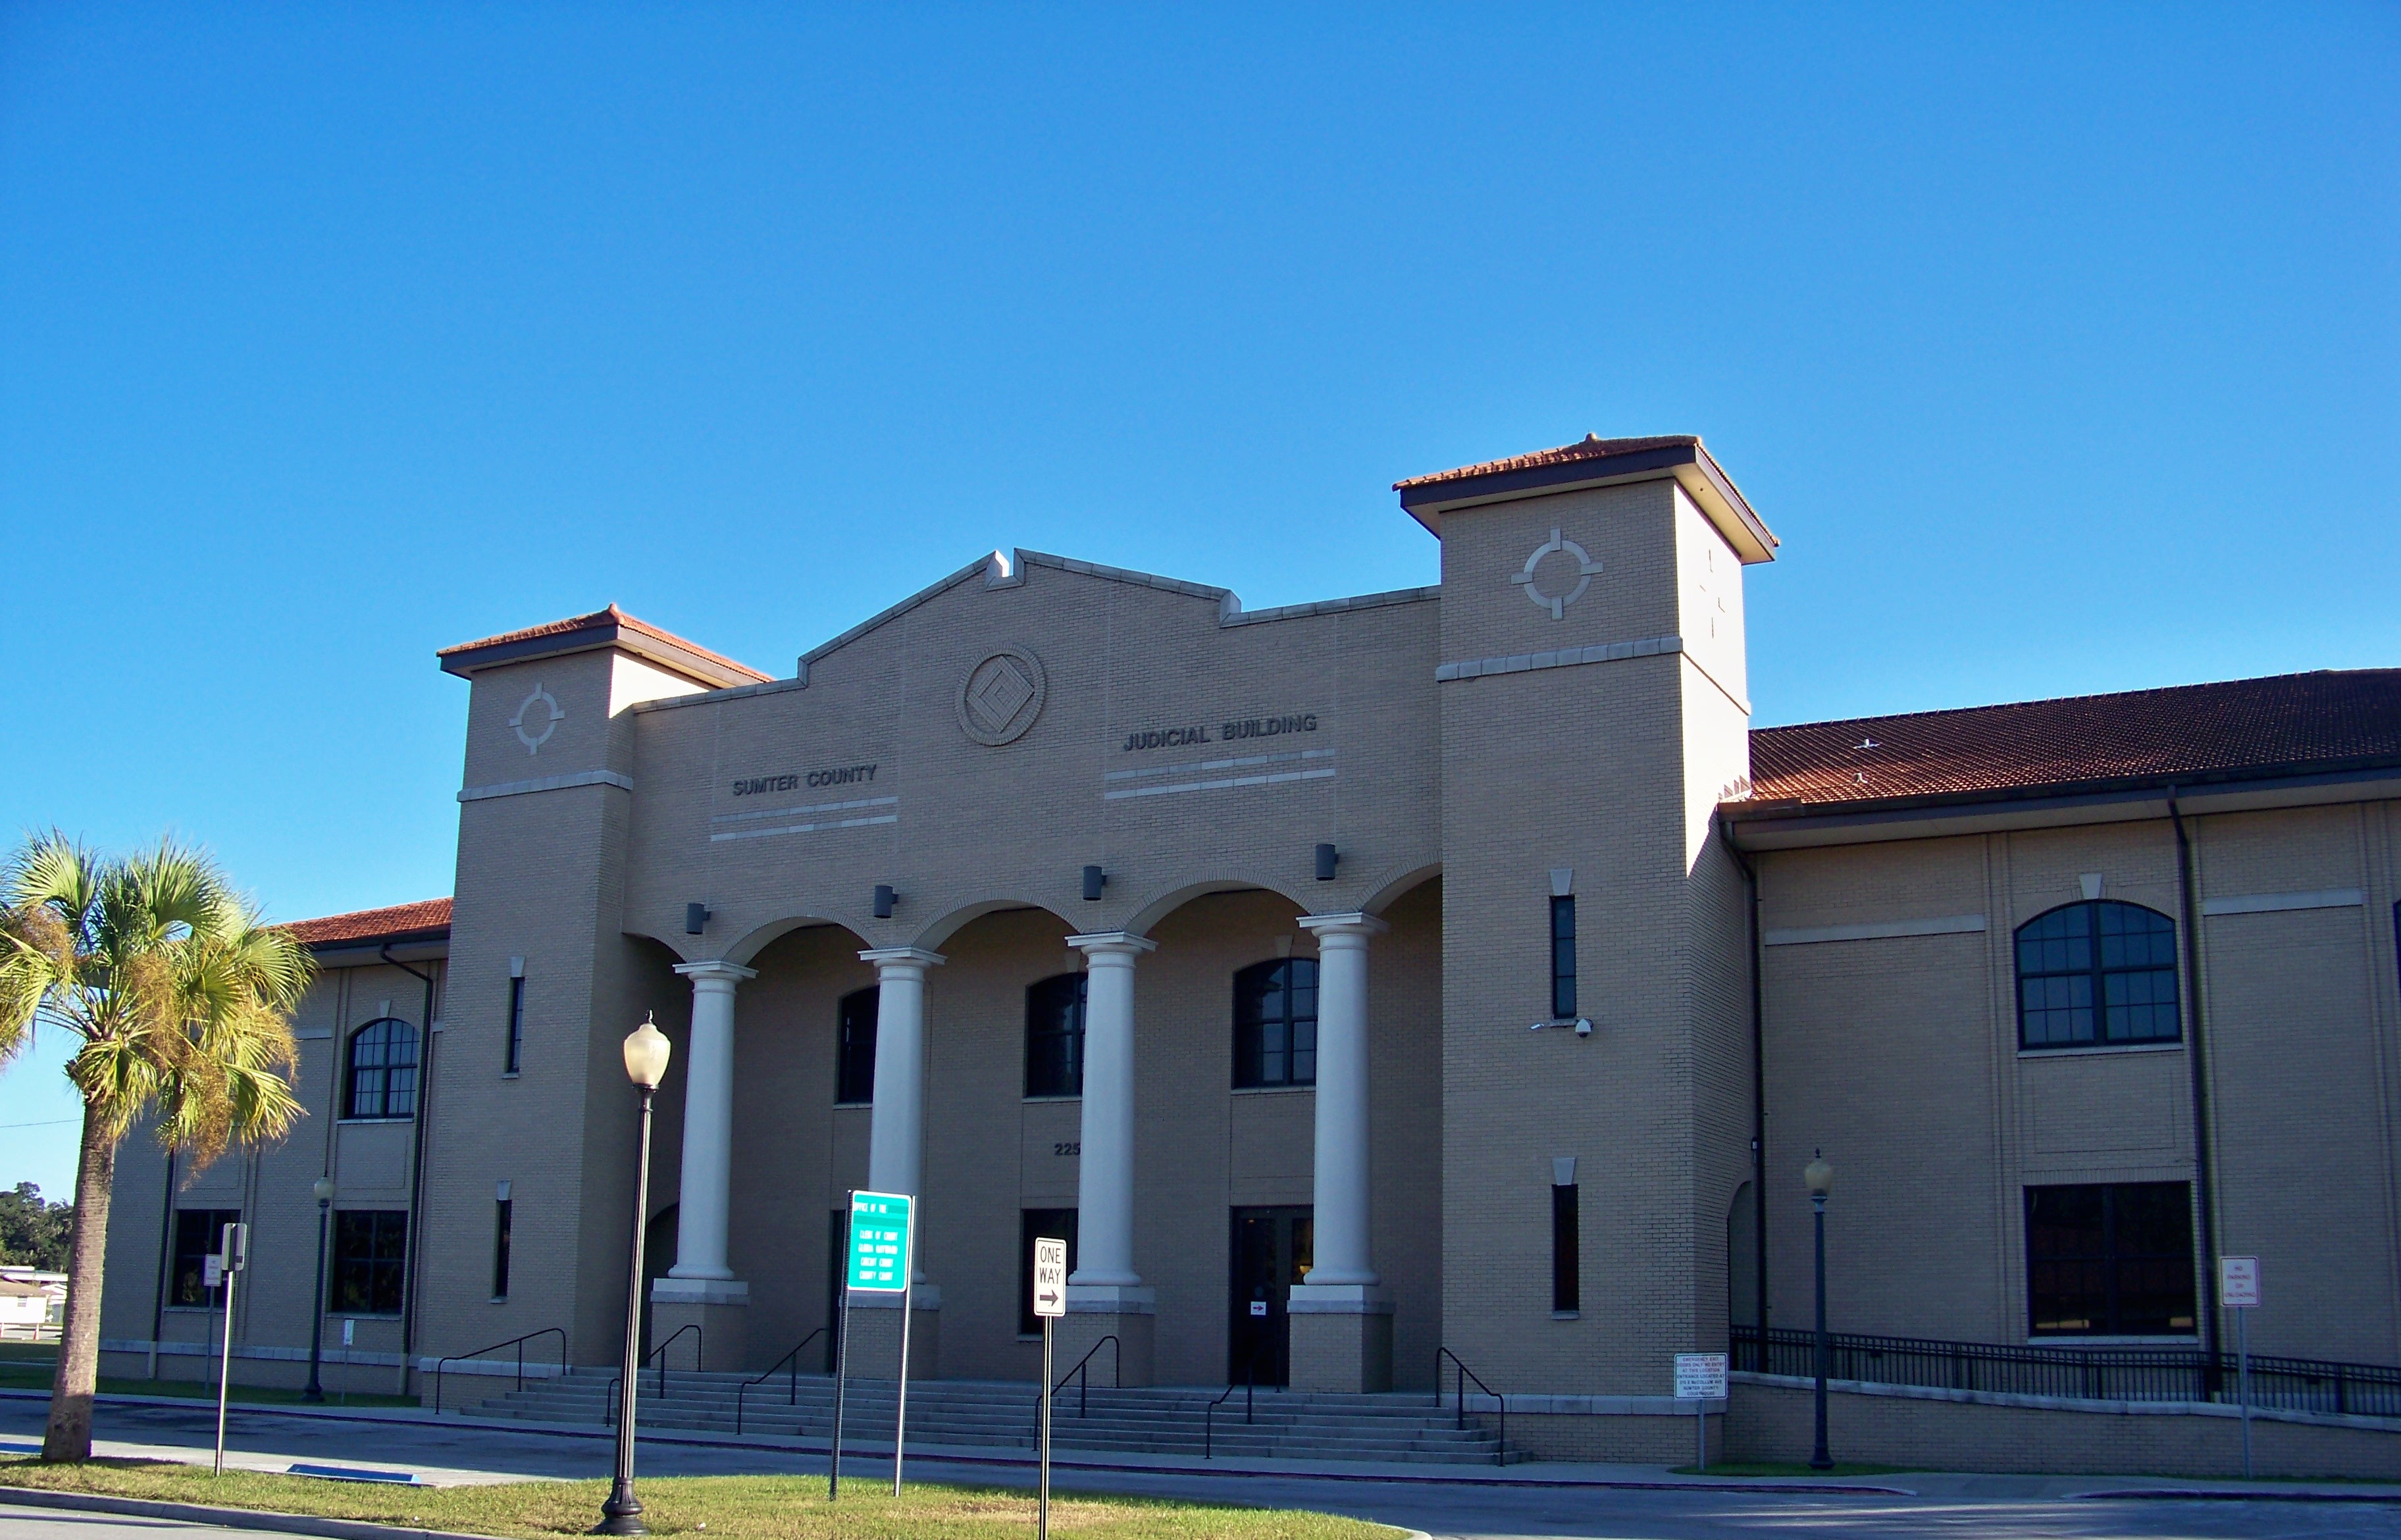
x=1273, y=1248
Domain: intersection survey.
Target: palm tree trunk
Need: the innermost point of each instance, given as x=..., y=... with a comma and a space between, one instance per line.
x=68, y=1436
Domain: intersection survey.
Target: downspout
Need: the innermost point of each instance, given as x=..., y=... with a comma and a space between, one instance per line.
x=2201, y=1168
x=1758, y=1089
x=166, y=1264
x=416, y=1172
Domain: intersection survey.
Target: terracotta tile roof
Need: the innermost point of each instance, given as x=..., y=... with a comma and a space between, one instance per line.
x=600, y=620
x=375, y=925
x=1591, y=447
x=2194, y=733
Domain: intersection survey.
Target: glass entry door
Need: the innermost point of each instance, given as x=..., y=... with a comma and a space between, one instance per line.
x=1273, y=1248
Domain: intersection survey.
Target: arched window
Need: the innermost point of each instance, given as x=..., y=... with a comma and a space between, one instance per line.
x=1275, y=1022
x=2097, y=973
x=1054, y=1035
x=382, y=1081
x=854, y=1078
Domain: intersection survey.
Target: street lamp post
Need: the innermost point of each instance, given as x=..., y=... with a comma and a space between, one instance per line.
x=323, y=1188
x=1820, y=1179
x=646, y=1065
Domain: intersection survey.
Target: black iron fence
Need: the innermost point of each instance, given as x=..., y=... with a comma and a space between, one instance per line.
x=2088, y=1374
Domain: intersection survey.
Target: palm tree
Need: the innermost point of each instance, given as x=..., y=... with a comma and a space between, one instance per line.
x=182, y=1001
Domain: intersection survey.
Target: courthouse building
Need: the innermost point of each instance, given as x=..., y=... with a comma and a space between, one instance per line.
x=1454, y=967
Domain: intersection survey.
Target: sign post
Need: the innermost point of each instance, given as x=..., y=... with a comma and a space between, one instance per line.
x=1049, y=1303
x=1700, y=1378
x=881, y=1241
x=2237, y=1290
x=233, y=1255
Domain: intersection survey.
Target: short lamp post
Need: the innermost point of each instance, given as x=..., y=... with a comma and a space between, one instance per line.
x=1820, y=1179
x=323, y=1188
x=646, y=1065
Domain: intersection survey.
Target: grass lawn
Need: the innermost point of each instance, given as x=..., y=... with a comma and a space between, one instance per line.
x=1768, y=1468
x=773, y=1507
x=29, y=1375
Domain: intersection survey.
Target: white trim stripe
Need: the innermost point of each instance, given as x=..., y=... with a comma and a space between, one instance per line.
x=1191, y=767
x=802, y=828
x=812, y=808
x=547, y=783
x=1566, y=657
x=2269, y=903
x=1954, y=925
x=1219, y=785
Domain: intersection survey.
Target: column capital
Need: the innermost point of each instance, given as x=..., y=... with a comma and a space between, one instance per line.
x=1354, y=923
x=716, y=968
x=1112, y=943
x=903, y=956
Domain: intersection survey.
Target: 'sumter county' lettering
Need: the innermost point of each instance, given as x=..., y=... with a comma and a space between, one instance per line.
x=846, y=775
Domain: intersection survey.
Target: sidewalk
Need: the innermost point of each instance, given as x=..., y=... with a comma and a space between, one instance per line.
x=989, y=1464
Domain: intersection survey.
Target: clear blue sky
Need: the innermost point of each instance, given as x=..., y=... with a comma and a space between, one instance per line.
x=2060, y=345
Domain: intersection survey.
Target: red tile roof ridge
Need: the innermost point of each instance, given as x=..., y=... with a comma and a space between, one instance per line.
x=610, y=615
x=368, y=925
x=1591, y=447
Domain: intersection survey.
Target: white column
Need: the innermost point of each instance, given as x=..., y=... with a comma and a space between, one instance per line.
x=1104, y=1182
x=895, y=1138
x=707, y=1121
x=1342, y=1197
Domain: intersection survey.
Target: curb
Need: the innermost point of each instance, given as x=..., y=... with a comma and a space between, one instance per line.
x=2224, y=1494
x=200, y=1513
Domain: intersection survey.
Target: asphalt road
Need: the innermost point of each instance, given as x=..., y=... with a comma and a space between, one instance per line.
x=1947, y=1507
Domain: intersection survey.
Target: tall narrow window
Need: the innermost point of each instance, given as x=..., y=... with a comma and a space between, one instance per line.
x=1054, y=1224
x=382, y=1071
x=197, y=1233
x=1566, y=1266
x=370, y=1259
x=517, y=1024
x=2097, y=972
x=855, y=1074
x=500, y=1216
x=1563, y=990
x=1275, y=1024
x=2110, y=1261
x=1054, y=1035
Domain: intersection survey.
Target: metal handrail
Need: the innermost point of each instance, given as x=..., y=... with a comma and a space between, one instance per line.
x=2189, y=1374
x=1083, y=1380
x=1249, y=1387
x=1460, y=1380
x=516, y=1342
x=699, y=1345
x=792, y=1398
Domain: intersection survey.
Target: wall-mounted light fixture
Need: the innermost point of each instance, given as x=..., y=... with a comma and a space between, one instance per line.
x=1327, y=857
x=695, y=918
x=884, y=899
x=1094, y=880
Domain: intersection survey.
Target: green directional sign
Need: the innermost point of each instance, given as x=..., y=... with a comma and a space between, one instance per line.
x=879, y=1242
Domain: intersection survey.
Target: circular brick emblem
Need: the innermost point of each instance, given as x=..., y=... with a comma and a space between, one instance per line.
x=1001, y=696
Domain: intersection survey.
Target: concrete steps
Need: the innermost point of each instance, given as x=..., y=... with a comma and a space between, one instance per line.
x=1285, y=1424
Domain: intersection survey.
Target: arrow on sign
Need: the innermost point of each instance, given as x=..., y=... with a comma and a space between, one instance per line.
x=1049, y=1298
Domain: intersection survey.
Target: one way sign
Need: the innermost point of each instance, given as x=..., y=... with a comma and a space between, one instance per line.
x=1050, y=1277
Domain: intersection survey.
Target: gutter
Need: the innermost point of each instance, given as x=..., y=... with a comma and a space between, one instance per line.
x=2200, y=1167
x=1758, y=1080
x=416, y=1172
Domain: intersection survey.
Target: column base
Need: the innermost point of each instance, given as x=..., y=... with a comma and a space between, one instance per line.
x=875, y=1335
x=1341, y=1338
x=720, y=1307
x=1095, y=1310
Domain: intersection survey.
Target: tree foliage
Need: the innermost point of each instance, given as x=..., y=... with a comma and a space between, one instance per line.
x=34, y=1233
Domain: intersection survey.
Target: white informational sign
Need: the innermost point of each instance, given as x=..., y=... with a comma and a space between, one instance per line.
x=212, y=1271
x=1258, y=1307
x=1050, y=1277
x=350, y=1333
x=2238, y=1282
x=1700, y=1376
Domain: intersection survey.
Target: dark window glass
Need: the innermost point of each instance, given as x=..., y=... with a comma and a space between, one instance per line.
x=383, y=1071
x=1563, y=990
x=500, y=1217
x=1567, y=1259
x=1054, y=1035
x=370, y=1252
x=517, y=1024
x=2099, y=973
x=855, y=1075
x=2112, y=1260
x=199, y=1234
x=1275, y=1022
x=1057, y=1224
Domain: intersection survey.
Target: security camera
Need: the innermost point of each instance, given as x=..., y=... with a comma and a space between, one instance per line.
x=1583, y=1027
